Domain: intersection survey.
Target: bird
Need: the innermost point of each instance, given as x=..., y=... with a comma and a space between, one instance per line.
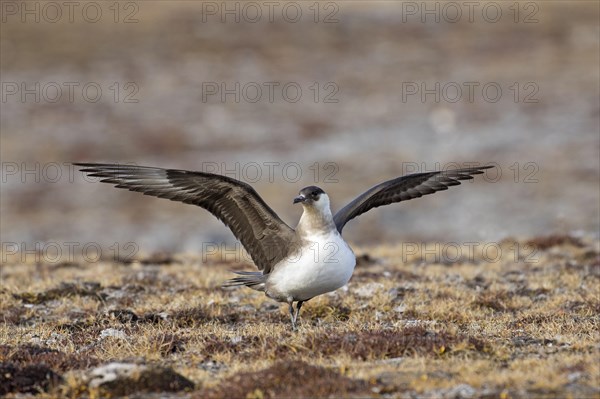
x=294, y=264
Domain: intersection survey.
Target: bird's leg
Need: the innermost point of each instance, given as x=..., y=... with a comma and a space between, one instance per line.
x=291, y=304
x=298, y=306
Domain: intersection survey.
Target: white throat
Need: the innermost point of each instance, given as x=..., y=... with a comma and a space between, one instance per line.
x=316, y=218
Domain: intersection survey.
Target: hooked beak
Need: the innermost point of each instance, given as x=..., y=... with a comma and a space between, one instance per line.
x=300, y=198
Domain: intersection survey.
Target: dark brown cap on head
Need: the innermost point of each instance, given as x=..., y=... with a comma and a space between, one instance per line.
x=307, y=194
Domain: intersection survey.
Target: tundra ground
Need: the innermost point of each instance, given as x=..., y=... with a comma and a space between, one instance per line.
x=522, y=322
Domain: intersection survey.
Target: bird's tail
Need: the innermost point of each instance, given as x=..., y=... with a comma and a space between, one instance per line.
x=254, y=280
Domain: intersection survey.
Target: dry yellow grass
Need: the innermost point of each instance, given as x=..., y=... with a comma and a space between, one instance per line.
x=515, y=326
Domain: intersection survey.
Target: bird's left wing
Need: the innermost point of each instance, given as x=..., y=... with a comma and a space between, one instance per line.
x=402, y=189
x=262, y=233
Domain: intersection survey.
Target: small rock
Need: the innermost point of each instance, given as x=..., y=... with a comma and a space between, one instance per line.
x=368, y=290
x=212, y=366
x=112, y=332
x=391, y=360
x=236, y=340
x=269, y=307
x=462, y=391
x=163, y=315
x=574, y=376
x=35, y=341
x=400, y=308
x=111, y=372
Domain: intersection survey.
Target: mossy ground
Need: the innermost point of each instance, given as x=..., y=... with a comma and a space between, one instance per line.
x=405, y=326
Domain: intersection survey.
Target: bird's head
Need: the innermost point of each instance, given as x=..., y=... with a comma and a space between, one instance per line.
x=312, y=197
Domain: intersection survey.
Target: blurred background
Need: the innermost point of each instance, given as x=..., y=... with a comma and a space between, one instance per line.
x=282, y=95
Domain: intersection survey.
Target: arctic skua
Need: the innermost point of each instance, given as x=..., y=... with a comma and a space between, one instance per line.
x=294, y=265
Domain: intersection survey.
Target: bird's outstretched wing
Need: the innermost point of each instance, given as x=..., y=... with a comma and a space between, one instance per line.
x=402, y=189
x=262, y=233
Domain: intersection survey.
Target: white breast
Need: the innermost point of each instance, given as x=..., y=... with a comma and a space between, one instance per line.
x=323, y=265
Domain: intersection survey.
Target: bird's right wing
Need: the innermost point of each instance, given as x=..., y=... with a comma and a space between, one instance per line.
x=402, y=189
x=262, y=233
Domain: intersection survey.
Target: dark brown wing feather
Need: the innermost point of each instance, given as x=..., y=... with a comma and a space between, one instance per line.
x=262, y=233
x=402, y=189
